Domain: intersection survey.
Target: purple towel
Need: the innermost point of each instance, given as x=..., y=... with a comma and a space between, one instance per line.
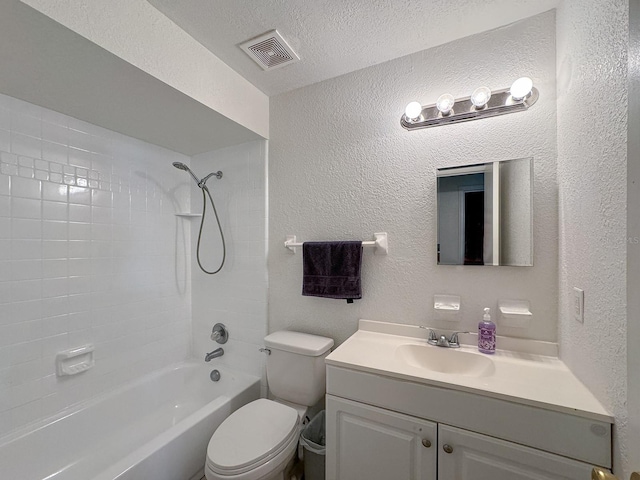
x=332, y=269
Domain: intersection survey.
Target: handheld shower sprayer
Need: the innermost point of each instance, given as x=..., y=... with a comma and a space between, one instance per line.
x=202, y=184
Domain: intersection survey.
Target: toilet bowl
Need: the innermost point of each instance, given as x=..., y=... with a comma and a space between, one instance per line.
x=259, y=440
x=256, y=442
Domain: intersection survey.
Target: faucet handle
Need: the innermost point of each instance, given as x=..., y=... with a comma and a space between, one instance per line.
x=433, y=338
x=220, y=333
x=454, y=339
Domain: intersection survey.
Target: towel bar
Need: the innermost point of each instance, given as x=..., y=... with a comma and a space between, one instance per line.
x=380, y=244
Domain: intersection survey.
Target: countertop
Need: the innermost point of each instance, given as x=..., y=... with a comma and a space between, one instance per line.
x=526, y=378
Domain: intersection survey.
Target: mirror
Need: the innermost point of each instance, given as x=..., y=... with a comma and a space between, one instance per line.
x=485, y=214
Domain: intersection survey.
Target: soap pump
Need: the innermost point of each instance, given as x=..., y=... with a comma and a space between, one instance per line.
x=487, y=334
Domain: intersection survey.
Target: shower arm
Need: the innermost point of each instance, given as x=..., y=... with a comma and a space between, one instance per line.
x=202, y=183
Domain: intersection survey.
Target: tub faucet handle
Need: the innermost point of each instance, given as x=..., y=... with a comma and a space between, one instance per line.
x=220, y=333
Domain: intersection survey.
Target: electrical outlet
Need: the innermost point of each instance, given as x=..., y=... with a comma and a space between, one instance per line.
x=578, y=304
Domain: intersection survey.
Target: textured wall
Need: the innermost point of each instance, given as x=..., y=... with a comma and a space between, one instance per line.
x=237, y=296
x=138, y=33
x=90, y=252
x=515, y=213
x=592, y=63
x=341, y=167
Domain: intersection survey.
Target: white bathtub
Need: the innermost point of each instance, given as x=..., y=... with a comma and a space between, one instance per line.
x=155, y=429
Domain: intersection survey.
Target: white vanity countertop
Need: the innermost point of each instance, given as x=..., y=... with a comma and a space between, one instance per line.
x=529, y=379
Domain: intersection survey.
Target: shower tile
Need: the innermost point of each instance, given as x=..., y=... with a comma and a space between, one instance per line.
x=54, y=192
x=26, y=125
x=26, y=208
x=73, y=243
x=55, y=268
x=5, y=206
x=80, y=213
x=26, y=249
x=55, y=287
x=54, y=249
x=25, y=145
x=54, y=152
x=5, y=183
x=52, y=230
x=5, y=140
x=55, y=210
x=26, y=290
x=80, y=195
x=26, y=228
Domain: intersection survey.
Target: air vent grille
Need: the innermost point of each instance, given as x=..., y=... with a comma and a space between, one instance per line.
x=270, y=50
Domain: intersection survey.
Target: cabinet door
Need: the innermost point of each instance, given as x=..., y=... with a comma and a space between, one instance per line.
x=464, y=455
x=365, y=442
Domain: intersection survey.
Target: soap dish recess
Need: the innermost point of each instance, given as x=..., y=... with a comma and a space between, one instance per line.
x=447, y=307
x=74, y=360
x=514, y=313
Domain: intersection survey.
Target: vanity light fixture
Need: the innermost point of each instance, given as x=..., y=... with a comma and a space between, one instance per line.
x=521, y=88
x=482, y=103
x=412, y=111
x=445, y=103
x=480, y=97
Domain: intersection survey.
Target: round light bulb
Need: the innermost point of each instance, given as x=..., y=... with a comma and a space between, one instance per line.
x=480, y=97
x=445, y=103
x=521, y=88
x=413, y=110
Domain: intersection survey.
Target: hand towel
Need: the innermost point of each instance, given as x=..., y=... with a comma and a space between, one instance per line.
x=332, y=269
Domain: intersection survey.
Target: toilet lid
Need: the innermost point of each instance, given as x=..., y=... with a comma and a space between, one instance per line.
x=251, y=434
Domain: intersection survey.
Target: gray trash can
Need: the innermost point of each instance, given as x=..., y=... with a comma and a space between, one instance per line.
x=313, y=442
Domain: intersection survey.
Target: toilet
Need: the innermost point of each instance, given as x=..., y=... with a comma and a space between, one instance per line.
x=259, y=441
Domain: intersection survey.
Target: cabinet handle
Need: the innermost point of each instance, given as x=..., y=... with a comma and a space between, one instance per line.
x=447, y=448
x=426, y=443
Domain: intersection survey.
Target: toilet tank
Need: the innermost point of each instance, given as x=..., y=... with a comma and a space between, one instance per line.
x=295, y=368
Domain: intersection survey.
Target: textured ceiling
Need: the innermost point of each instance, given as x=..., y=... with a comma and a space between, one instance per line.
x=334, y=37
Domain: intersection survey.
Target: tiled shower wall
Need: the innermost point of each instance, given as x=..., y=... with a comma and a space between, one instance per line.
x=90, y=252
x=237, y=296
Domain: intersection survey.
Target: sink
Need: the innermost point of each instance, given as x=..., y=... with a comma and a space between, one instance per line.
x=446, y=360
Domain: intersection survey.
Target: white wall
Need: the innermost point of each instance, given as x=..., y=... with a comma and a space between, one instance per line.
x=592, y=63
x=633, y=233
x=90, y=252
x=237, y=296
x=515, y=213
x=341, y=167
x=138, y=33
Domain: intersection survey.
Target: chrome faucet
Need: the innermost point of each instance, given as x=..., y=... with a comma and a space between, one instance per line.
x=218, y=352
x=442, y=340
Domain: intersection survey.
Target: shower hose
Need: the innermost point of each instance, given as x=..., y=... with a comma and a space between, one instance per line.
x=205, y=192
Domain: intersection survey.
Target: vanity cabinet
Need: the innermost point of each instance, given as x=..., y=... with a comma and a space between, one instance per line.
x=466, y=455
x=376, y=444
x=369, y=442
x=376, y=426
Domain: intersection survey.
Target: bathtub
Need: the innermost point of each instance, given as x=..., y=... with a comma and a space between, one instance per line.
x=157, y=428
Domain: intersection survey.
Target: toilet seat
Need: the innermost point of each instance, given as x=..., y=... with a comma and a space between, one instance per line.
x=256, y=438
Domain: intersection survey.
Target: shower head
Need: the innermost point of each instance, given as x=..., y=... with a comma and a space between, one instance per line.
x=201, y=183
x=182, y=166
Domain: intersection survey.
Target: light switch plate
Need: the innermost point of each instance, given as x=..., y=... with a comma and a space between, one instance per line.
x=578, y=304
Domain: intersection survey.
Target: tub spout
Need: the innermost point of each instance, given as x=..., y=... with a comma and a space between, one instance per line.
x=218, y=352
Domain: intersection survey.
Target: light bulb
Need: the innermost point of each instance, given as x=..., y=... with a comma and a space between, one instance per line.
x=521, y=88
x=445, y=103
x=480, y=97
x=413, y=110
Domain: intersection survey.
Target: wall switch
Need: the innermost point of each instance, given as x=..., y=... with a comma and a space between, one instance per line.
x=578, y=304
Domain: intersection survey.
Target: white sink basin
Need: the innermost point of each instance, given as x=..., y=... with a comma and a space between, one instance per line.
x=446, y=360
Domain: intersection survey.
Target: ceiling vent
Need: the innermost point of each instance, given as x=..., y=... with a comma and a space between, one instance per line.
x=270, y=51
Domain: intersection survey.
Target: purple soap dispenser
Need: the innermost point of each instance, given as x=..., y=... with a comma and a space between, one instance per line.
x=487, y=334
